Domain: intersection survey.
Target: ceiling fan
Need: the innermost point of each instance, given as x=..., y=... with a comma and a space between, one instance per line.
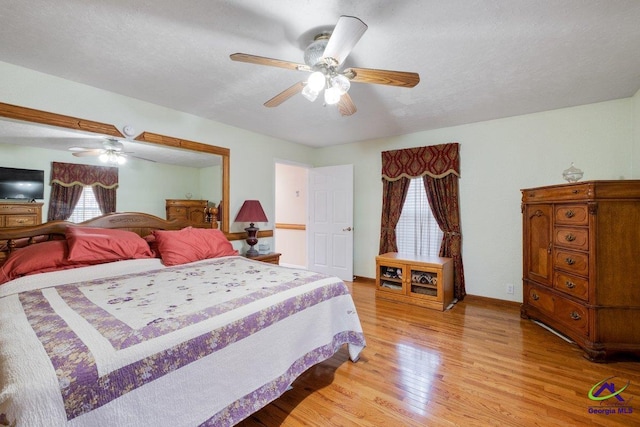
x=112, y=151
x=324, y=58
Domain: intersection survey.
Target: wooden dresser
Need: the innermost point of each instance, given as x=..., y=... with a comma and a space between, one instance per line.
x=581, y=263
x=192, y=210
x=16, y=214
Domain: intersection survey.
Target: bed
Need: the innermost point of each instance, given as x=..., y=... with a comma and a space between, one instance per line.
x=103, y=330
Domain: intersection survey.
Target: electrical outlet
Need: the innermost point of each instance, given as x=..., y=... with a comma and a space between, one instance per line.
x=509, y=288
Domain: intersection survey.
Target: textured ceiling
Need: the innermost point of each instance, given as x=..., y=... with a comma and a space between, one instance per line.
x=478, y=60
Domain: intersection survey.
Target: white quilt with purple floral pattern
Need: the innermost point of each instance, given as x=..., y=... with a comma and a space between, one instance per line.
x=137, y=343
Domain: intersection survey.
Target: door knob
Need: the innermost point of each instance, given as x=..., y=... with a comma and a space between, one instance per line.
x=346, y=229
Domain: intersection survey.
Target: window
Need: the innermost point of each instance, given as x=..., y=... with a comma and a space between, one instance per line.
x=87, y=206
x=417, y=231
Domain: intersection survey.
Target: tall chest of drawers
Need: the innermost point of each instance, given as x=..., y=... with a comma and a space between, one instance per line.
x=581, y=263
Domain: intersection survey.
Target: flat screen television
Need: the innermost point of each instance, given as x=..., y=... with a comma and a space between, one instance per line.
x=21, y=184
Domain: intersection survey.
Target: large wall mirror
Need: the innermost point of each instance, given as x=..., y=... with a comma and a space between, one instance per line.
x=158, y=167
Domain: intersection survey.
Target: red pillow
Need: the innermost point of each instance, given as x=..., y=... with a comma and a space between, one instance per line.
x=37, y=258
x=103, y=244
x=192, y=244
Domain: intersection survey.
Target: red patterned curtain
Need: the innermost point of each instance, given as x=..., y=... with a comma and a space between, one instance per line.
x=68, y=181
x=394, y=194
x=439, y=166
x=62, y=201
x=106, y=198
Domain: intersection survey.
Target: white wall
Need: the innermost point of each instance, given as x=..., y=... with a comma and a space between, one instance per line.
x=498, y=158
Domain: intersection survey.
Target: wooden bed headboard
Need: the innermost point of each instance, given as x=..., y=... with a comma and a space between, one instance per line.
x=140, y=223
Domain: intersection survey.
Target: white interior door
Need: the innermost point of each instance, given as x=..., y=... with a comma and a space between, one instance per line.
x=330, y=227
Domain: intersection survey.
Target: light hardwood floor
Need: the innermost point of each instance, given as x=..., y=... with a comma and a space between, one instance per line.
x=478, y=364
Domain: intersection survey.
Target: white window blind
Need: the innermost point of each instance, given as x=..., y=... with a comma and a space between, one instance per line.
x=86, y=208
x=417, y=231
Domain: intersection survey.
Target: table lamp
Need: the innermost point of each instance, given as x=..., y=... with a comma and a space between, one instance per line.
x=251, y=211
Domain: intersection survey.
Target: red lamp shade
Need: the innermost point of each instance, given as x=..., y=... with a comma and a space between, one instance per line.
x=251, y=211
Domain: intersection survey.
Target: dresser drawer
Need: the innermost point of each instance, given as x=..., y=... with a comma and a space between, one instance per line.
x=20, y=220
x=18, y=209
x=572, y=262
x=561, y=192
x=573, y=315
x=571, y=214
x=574, y=238
x=177, y=212
x=575, y=286
x=541, y=299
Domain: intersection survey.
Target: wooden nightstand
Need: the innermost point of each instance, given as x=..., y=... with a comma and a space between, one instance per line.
x=272, y=258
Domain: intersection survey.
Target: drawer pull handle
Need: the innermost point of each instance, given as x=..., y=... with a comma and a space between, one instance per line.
x=569, y=261
x=575, y=191
x=569, y=213
x=569, y=237
x=535, y=296
x=575, y=316
x=569, y=284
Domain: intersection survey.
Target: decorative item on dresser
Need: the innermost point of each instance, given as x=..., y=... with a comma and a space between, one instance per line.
x=581, y=272
x=414, y=279
x=15, y=214
x=196, y=211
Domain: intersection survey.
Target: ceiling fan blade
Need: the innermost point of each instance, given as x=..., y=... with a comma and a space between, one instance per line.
x=344, y=37
x=262, y=60
x=284, y=95
x=141, y=158
x=81, y=149
x=382, y=77
x=346, y=105
x=86, y=153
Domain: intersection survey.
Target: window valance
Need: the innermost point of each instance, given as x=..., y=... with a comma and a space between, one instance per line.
x=435, y=161
x=69, y=174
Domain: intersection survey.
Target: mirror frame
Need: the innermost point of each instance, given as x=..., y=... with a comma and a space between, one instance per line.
x=53, y=119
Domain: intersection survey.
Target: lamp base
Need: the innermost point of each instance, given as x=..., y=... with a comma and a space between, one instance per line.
x=251, y=253
x=252, y=240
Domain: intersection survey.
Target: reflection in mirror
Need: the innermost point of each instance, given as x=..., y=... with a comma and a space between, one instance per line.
x=158, y=167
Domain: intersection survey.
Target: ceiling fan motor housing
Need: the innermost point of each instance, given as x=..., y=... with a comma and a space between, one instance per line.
x=313, y=53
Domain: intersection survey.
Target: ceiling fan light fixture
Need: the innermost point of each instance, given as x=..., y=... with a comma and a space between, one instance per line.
x=340, y=83
x=316, y=81
x=331, y=96
x=309, y=93
x=113, y=157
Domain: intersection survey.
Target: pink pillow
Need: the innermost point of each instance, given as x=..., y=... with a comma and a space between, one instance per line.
x=37, y=258
x=192, y=244
x=102, y=244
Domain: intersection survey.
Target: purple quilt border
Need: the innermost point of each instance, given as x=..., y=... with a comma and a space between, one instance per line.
x=269, y=392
